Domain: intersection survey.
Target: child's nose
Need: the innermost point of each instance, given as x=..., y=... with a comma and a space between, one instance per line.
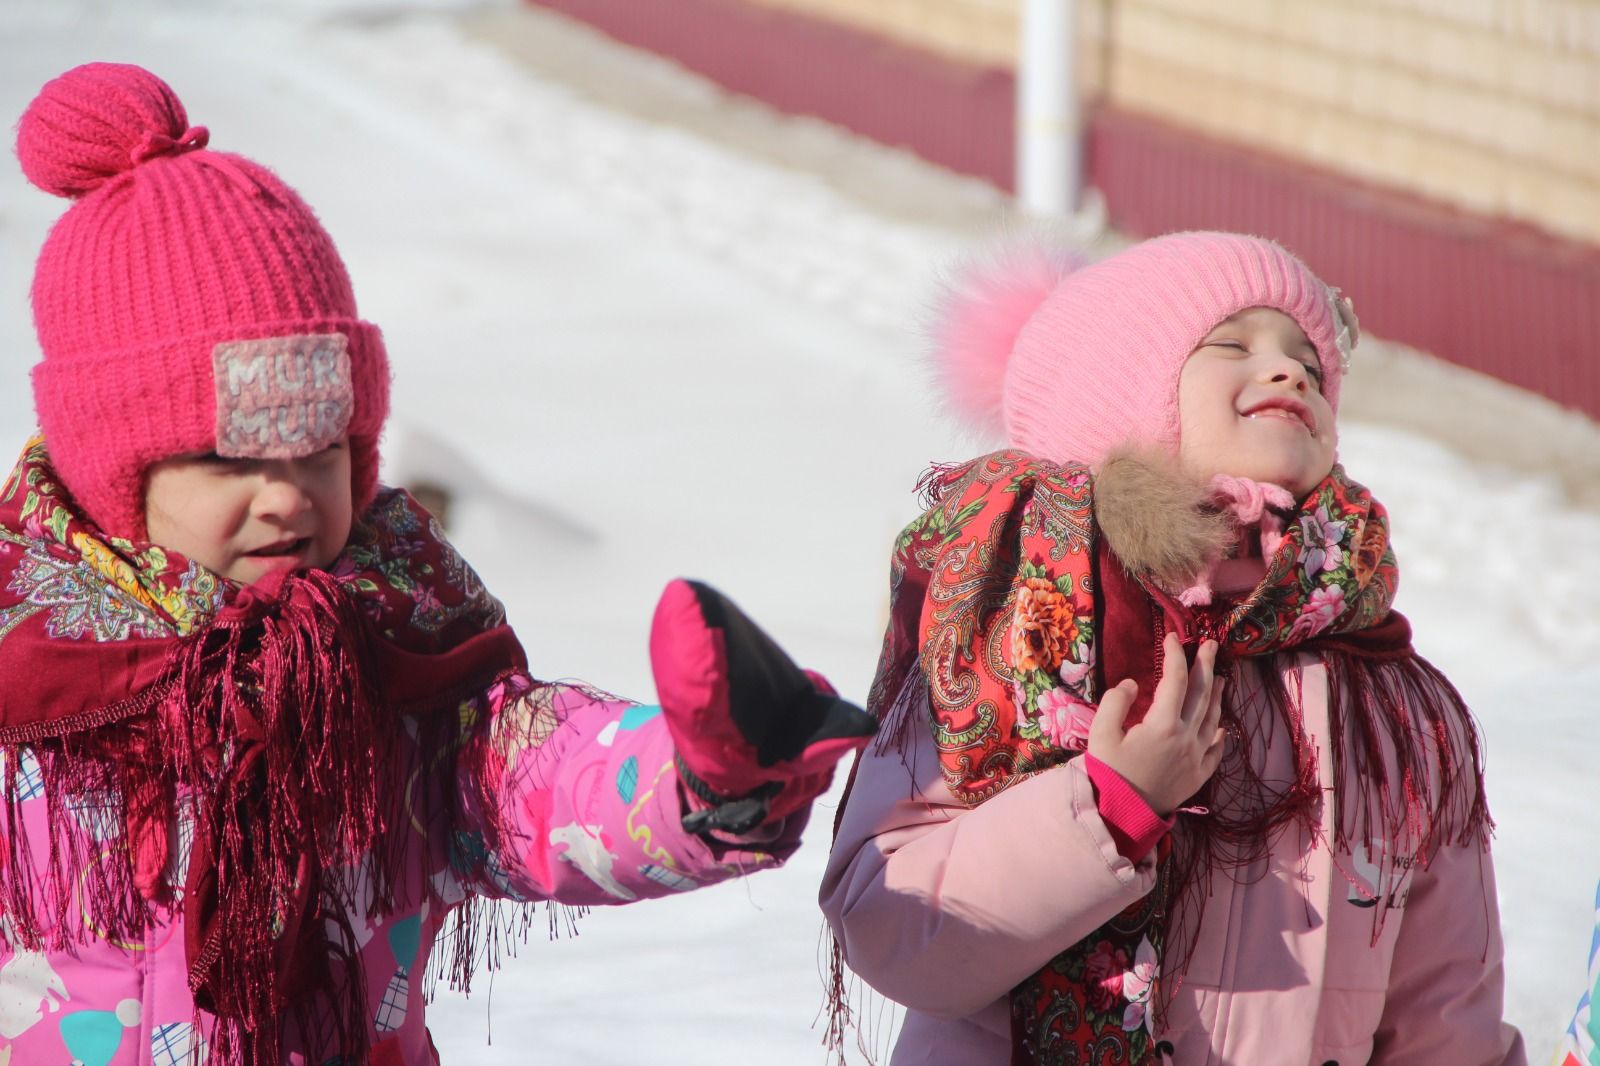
x=1285, y=368
x=283, y=493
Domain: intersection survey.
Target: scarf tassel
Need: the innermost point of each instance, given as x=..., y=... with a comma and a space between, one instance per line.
x=293, y=793
x=492, y=922
x=1408, y=761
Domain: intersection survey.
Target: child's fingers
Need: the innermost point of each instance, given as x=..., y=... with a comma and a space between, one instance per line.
x=1212, y=758
x=1198, y=692
x=1106, y=727
x=1213, y=715
x=1166, y=705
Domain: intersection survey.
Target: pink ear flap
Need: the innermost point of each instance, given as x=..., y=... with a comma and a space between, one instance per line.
x=977, y=320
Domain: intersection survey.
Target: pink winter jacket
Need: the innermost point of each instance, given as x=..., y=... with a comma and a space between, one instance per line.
x=945, y=909
x=591, y=799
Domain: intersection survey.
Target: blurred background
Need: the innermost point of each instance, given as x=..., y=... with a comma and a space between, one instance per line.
x=653, y=275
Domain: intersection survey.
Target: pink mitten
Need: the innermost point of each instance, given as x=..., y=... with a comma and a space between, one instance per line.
x=757, y=737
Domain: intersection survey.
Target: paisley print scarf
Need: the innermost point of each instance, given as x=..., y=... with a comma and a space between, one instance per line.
x=1008, y=602
x=270, y=711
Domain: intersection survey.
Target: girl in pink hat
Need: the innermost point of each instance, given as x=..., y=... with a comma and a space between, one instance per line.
x=264, y=735
x=1161, y=778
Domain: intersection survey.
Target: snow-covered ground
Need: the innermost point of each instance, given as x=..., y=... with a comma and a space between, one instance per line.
x=638, y=352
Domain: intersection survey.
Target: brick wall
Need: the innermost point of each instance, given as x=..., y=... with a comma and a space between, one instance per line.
x=1492, y=106
x=975, y=31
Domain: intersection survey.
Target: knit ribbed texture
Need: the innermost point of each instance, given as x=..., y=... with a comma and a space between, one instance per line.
x=1134, y=826
x=170, y=250
x=1096, y=364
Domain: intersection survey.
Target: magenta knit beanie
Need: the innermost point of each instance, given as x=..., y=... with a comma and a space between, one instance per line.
x=1071, y=360
x=188, y=301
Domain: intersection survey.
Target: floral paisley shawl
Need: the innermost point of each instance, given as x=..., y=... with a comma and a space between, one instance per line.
x=131, y=672
x=997, y=597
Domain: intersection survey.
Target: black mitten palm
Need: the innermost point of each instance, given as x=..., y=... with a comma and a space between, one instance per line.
x=757, y=737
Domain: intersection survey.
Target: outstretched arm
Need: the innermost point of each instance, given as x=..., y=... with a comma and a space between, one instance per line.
x=579, y=797
x=571, y=795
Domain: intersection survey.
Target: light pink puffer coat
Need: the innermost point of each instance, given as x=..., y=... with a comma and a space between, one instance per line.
x=945, y=909
x=591, y=798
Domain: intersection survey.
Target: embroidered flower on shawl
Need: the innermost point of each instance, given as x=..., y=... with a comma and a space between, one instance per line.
x=1103, y=972
x=1073, y=672
x=1325, y=605
x=1044, y=628
x=194, y=596
x=1136, y=986
x=79, y=605
x=426, y=598
x=1064, y=719
x=1322, y=537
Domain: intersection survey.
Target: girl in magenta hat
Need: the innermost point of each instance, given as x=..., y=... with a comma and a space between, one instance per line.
x=264, y=736
x=1161, y=778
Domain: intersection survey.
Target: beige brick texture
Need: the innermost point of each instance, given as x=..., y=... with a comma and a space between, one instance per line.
x=976, y=31
x=1491, y=105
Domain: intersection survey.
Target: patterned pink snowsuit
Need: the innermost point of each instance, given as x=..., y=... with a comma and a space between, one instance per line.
x=590, y=799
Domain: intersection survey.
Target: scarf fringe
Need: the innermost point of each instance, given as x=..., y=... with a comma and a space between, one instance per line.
x=265, y=995
x=851, y=1005
x=289, y=680
x=491, y=924
x=847, y=1000
x=293, y=793
x=84, y=890
x=1430, y=793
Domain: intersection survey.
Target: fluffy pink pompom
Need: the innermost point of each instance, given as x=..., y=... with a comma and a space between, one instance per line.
x=977, y=320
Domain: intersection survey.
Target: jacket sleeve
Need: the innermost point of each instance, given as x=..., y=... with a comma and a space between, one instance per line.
x=565, y=794
x=919, y=888
x=1578, y=1047
x=1447, y=979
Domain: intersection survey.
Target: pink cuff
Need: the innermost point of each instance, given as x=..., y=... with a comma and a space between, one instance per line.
x=1135, y=827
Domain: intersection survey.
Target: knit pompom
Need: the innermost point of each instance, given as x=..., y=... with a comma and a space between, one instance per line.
x=97, y=121
x=977, y=320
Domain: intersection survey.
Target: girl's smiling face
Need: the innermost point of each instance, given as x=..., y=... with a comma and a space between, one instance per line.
x=247, y=518
x=1250, y=404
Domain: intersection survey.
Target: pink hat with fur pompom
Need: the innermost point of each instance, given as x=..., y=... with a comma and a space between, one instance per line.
x=1068, y=360
x=187, y=302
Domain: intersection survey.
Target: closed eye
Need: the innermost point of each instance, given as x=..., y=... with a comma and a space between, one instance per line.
x=328, y=454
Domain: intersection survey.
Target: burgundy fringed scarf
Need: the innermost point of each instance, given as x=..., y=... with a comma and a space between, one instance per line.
x=131, y=673
x=1007, y=599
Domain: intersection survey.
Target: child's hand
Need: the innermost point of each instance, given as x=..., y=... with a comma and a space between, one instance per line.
x=1176, y=748
x=757, y=737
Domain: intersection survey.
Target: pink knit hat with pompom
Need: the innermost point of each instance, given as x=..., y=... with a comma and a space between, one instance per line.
x=188, y=302
x=1069, y=361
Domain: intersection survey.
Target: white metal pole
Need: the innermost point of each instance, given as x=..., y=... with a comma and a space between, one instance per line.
x=1048, y=123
